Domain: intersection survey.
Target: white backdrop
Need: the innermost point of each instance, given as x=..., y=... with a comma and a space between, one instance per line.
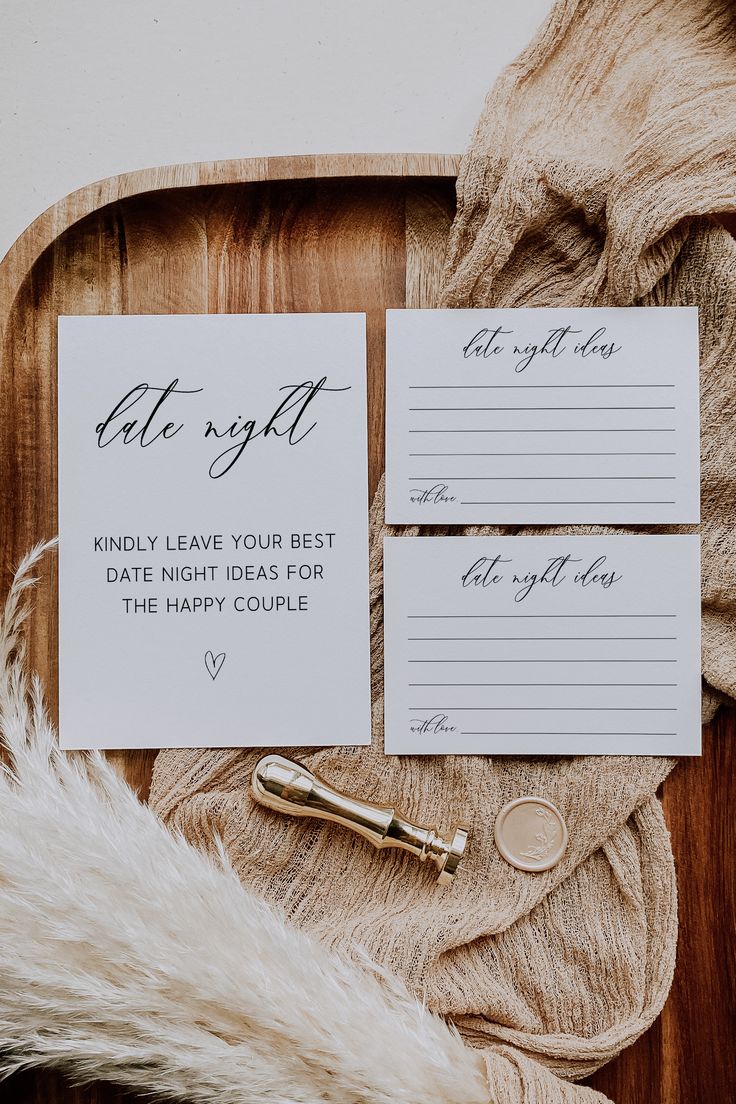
x=92, y=88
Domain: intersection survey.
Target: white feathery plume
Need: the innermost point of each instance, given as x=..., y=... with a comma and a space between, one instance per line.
x=127, y=955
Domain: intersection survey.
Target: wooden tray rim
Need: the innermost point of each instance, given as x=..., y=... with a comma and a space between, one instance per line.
x=44, y=230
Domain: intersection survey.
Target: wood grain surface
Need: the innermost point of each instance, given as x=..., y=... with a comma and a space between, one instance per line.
x=311, y=234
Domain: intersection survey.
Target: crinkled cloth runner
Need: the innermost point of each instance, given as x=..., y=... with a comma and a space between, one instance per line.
x=591, y=179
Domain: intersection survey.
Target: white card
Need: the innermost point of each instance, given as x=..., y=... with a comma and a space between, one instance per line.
x=542, y=645
x=540, y=416
x=213, y=576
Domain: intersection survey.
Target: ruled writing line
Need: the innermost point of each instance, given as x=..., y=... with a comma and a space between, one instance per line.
x=472, y=732
x=619, y=453
x=489, y=708
x=526, y=659
x=534, y=478
x=540, y=638
x=532, y=386
x=603, y=616
x=462, y=683
x=590, y=429
x=570, y=502
x=527, y=409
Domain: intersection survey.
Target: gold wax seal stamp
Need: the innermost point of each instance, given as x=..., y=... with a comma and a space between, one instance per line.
x=288, y=787
x=531, y=833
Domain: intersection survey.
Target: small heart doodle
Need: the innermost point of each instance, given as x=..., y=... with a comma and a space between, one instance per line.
x=213, y=663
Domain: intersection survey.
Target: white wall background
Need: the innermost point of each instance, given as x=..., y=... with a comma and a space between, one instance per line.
x=92, y=88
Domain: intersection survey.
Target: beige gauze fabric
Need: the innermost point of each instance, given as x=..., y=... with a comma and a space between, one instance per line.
x=601, y=154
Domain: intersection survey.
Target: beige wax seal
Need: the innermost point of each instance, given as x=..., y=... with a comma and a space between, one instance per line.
x=531, y=833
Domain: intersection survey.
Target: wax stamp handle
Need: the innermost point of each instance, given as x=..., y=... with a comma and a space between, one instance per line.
x=288, y=787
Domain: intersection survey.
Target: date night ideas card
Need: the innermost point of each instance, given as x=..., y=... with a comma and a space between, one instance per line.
x=213, y=520
x=542, y=645
x=542, y=416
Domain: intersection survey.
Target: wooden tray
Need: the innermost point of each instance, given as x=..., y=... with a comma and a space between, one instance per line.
x=311, y=234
